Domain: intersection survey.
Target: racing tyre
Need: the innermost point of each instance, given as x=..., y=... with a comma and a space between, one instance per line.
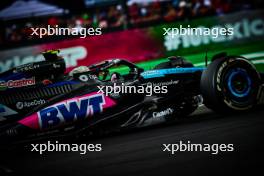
x=230, y=84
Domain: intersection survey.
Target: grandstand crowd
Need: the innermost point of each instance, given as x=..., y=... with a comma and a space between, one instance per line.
x=118, y=17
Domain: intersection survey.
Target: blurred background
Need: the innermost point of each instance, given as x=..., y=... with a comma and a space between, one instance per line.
x=132, y=29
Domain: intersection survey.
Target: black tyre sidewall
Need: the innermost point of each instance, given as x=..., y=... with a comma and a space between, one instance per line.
x=213, y=84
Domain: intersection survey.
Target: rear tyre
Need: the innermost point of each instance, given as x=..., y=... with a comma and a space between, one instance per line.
x=230, y=84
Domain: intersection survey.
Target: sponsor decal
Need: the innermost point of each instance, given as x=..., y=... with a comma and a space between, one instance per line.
x=163, y=113
x=163, y=72
x=166, y=83
x=17, y=83
x=68, y=111
x=27, y=67
x=71, y=56
x=87, y=77
x=29, y=104
x=158, y=117
x=5, y=111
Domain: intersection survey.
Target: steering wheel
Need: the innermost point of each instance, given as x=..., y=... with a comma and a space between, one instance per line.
x=115, y=77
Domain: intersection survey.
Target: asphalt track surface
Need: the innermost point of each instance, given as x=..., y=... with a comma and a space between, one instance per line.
x=140, y=152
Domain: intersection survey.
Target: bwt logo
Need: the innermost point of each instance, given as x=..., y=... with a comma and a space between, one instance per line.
x=70, y=111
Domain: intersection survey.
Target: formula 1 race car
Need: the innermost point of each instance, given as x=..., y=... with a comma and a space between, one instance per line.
x=39, y=100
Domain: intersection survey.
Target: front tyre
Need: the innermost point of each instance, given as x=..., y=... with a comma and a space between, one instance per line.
x=230, y=84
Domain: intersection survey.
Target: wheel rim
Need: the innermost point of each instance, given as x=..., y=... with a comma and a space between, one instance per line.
x=239, y=83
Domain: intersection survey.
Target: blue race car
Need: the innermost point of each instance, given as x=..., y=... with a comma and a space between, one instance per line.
x=39, y=100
